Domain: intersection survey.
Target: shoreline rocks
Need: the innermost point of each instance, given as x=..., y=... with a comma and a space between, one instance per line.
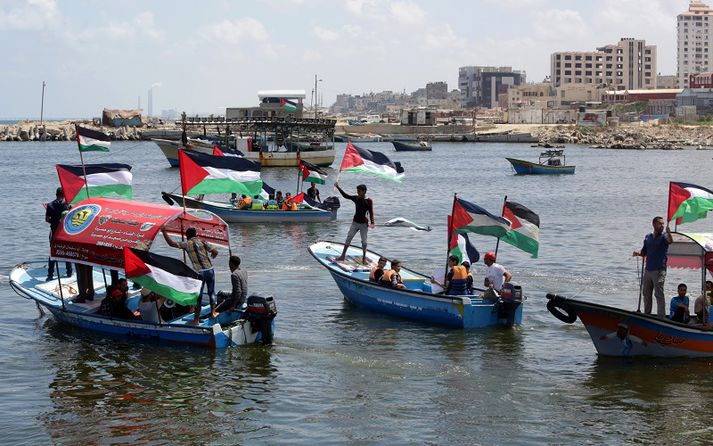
x=61, y=131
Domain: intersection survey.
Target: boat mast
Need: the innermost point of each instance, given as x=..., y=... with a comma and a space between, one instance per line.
x=497, y=244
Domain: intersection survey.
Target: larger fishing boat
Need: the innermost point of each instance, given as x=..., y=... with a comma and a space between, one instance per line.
x=620, y=332
x=95, y=233
x=418, y=300
x=550, y=162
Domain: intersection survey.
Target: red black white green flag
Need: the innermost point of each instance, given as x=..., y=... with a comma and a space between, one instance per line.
x=209, y=174
x=312, y=173
x=361, y=160
x=92, y=141
x=165, y=276
x=525, y=230
x=688, y=202
x=103, y=180
x=469, y=217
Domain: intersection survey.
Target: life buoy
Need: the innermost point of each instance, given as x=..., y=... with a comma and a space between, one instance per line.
x=562, y=312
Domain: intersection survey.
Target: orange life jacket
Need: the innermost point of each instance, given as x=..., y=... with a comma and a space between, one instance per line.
x=386, y=278
x=373, y=272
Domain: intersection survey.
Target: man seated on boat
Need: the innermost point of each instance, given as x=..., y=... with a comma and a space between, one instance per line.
x=377, y=272
x=702, y=304
x=114, y=304
x=244, y=202
x=258, y=204
x=288, y=204
x=234, y=200
x=238, y=294
x=457, y=277
x=279, y=199
x=149, y=306
x=495, y=273
x=469, y=277
x=392, y=277
x=679, y=305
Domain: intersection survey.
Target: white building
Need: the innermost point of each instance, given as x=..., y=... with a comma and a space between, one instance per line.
x=694, y=41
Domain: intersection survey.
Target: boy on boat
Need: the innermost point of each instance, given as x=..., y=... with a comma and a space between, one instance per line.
x=457, y=277
x=678, y=311
x=377, y=272
x=495, y=273
x=702, y=304
x=392, y=277
x=198, y=251
x=53, y=216
x=655, y=249
x=238, y=294
x=360, y=224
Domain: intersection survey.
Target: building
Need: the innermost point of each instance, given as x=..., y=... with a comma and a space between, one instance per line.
x=666, y=81
x=695, y=37
x=700, y=80
x=530, y=94
x=480, y=86
x=697, y=102
x=568, y=94
x=628, y=65
x=623, y=96
x=273, y=104
x=437, y=90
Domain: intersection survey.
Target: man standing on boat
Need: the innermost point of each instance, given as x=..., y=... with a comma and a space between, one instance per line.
x=53, y=216
x=198, y=251
x=360, y=224
x=655, y=250
x=313, y=192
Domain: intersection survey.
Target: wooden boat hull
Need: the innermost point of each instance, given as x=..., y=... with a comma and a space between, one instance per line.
x=523, y=167
x=639, y=334
x=231, y=215
x=401, y=146
x=417, y=302
x=170, y=149
x=323, y=158
x=229, y=329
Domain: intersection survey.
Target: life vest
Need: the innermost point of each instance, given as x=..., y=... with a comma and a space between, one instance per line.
x=372, y=274
x=458, y=283
x=386, y=278
x=257, y=205
x=289, y=206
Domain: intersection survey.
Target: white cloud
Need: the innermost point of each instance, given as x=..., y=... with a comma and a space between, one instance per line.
x=559, y=24
x=28, y=15
x=234, y=31
x=407, y=13
x=311, y=55
x=142, y=25
x=441, y=37
x=366, y=9
x=324, y=34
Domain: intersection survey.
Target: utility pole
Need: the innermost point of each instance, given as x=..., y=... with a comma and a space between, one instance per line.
x=42, y=107
x=315, y=96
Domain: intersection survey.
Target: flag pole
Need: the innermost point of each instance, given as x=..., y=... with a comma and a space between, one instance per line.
x=81, y=158
x=450, y=235
x=668, y=207
x=299, y=174
x=497, y=244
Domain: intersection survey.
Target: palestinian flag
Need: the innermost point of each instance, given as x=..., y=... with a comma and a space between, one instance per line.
x=461, y=247
x=165, y=276
x=361, y=160
x=267, y=191
x=688, y=202
x=525, y=230
x=469, y=217
x=102, y=179
x=92, y=141
x=209, y=174
x=217, y=151
x=288, y=104
x=312, y=173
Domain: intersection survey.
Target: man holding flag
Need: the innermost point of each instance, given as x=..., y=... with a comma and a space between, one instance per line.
x=360, y=224
x=655, y=250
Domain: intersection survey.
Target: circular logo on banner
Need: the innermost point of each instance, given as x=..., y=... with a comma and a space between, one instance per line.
x=201, y=214
x=79, y=219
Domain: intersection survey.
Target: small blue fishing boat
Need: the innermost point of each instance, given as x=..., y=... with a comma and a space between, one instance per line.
x=233, y=215
x=95, y=233
x=620, y=332
x=417, y=301
x=551, y=162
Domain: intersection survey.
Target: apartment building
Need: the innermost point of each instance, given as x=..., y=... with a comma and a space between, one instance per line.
x=629, y=64
x=695, y=37
x=481, y=86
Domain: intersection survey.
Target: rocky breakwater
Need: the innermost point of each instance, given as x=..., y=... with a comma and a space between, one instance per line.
x=632, y=137
x=60, y=131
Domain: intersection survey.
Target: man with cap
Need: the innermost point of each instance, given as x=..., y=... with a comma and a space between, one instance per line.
x=53, y=216
x=360, y=223
x=495, y=273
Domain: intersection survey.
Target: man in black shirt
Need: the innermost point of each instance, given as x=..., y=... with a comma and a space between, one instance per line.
x=360, y=224
x=53, y=216
x=313, y=192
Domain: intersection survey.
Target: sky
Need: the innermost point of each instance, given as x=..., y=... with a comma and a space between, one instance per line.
x=203, y=56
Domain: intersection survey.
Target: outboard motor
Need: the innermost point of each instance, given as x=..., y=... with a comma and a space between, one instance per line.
x=331, y=203
x=510, y=299
x=260, y=312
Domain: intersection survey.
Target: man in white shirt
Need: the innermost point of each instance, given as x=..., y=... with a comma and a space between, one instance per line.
x=495, y=274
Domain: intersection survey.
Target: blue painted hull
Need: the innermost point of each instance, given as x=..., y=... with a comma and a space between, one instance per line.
x=522, y=167
x=417, y=302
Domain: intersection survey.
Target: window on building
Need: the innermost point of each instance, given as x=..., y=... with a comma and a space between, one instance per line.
x=588, y=65
x=578, y=65
x=568, y=73
x=577, y=57
x=567, y=57
x=609, y=73
x=567, y=65
x=587, y=73
x=619, y=73
x=578, y=73
x=647, y=74
x=620, y=66
x=620, y=51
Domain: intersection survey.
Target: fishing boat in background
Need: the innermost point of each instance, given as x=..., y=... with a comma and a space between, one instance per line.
x=418, y=146
x=232, y=215
x=95, y=232
x=417, y=301
x=290, y=153
x=618, y=332
x=550, y=162
x=170, y=148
